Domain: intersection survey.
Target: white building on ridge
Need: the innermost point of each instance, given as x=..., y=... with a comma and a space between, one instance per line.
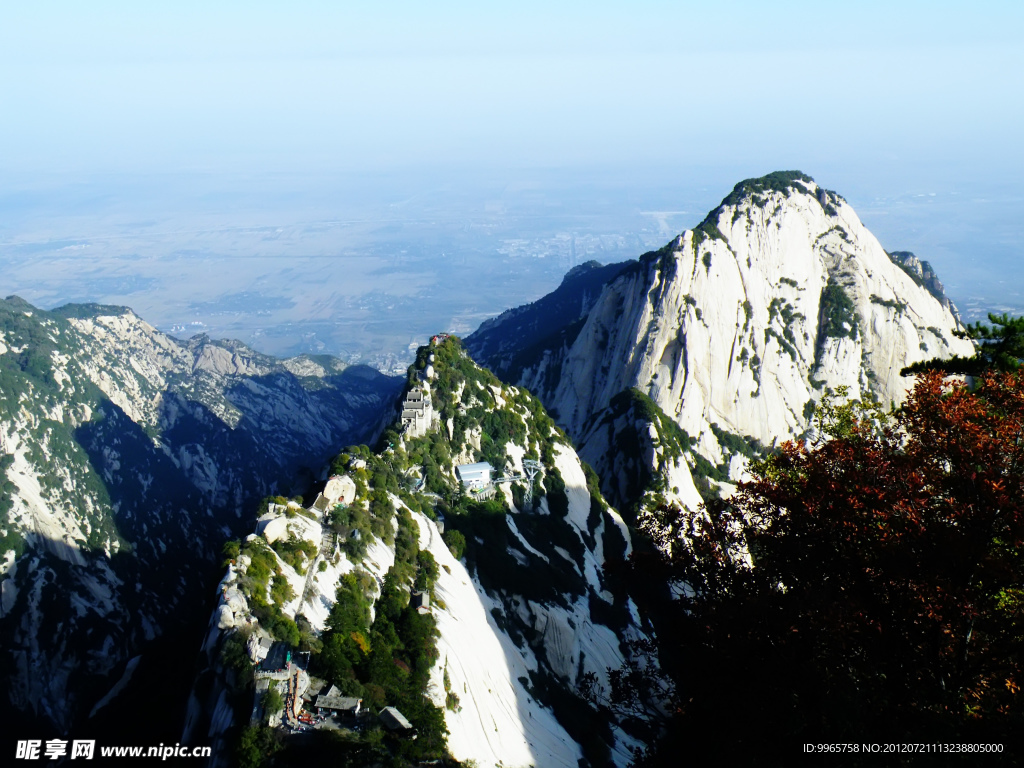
x=474, y=476
x=417, y=412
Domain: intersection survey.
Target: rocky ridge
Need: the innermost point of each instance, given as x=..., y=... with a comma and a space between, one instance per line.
x=529, y=624
x=129, y=456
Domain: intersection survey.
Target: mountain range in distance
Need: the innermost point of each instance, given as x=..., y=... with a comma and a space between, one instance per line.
x=132, y=457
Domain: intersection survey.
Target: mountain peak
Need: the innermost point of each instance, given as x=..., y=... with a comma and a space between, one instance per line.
x=777, y=181
x=757, y=192
x=581, y=269
x=16, y=302
x=91, y=311
x=736, y=328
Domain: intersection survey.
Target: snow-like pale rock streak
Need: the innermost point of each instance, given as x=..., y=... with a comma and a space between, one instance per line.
x=498, y=722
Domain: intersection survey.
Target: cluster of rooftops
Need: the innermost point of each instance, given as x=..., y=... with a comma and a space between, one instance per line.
x=332, y=702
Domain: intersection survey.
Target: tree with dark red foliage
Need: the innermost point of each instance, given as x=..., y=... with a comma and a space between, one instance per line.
x=865, y=589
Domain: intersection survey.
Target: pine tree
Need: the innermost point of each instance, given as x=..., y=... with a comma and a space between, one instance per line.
x=1000, y=347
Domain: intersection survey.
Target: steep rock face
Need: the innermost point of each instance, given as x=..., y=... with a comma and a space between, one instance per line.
x=640, y=455
x=292, y=410
x=128, y=457
x=744, y=321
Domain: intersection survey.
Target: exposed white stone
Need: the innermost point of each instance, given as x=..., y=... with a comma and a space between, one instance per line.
x=679, y=333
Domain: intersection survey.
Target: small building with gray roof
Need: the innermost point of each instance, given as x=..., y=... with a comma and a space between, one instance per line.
x=334, y=702
x=394, y=720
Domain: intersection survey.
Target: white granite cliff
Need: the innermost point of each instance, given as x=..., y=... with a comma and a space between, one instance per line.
x=743, y=322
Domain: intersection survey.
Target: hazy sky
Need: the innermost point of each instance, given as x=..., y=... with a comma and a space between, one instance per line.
x=858, y=88
x=142, y=144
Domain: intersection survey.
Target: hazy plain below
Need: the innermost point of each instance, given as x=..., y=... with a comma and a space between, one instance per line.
x=366, y=268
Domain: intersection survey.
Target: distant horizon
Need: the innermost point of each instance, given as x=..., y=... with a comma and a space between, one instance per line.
x=172, y=246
